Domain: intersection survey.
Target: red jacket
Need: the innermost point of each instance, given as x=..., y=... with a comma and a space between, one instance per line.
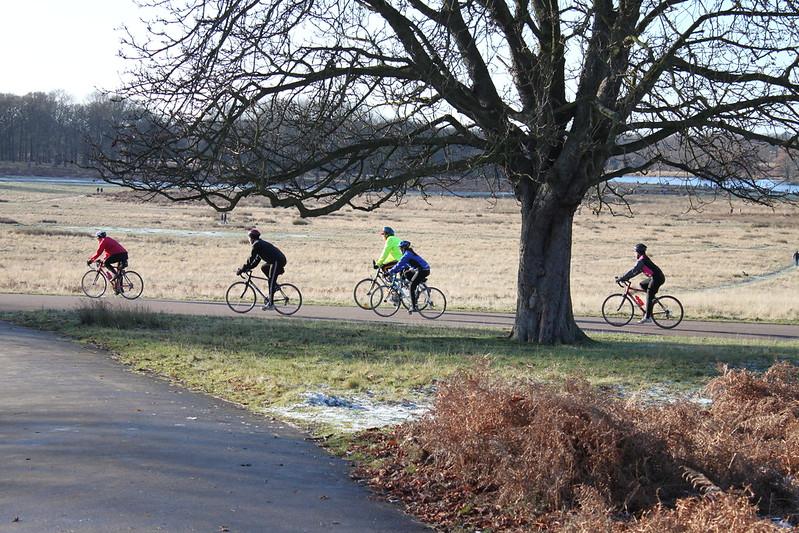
x=109, y=247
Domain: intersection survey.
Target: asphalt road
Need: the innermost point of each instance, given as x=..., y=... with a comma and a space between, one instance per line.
x=502, y=321
x=88, y=446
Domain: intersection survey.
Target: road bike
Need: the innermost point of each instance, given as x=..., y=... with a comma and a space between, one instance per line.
x=387, y=299
x=366, y=287
x=95, y=282
x=619, y=309
x=241, y=296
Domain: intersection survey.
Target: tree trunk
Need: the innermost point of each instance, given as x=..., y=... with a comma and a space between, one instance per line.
x=544, y=306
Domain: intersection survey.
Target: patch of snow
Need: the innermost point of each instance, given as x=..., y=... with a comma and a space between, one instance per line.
x=358, y=412
x=781, y=523
x=352, y=414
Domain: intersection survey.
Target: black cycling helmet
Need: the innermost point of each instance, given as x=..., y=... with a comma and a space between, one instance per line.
x=640, y=248
x=254, y=234
x=387, y=231
x=100, y=234
x=404, y=245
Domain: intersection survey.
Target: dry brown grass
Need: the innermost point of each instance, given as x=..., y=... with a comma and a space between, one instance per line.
x=472, y=245
x=519, y=456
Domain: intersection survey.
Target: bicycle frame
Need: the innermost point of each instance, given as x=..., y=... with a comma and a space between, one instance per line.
x=103, y=269
x=381, y=276
x=398, y=282
x=667, y=311
x=431, y=304
x=641, y=303
x=252, y=284
x=126, y=282
x=286, y=300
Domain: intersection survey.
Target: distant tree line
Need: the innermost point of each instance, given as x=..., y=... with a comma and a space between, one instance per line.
x=50, y=128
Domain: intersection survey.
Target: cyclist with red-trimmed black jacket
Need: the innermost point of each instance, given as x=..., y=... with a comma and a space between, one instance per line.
x=655, y=278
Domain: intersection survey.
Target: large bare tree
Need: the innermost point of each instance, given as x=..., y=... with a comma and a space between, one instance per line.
x=322, y=104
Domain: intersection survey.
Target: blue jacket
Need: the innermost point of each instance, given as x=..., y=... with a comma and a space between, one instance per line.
x=410, y=259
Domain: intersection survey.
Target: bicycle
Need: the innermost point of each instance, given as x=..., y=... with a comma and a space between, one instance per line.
x=387, y=299
x=619, y=309
x=362, y=293
x=95, y=282
x=241, y=297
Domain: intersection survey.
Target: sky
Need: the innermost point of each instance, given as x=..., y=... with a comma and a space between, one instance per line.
x=69, y=45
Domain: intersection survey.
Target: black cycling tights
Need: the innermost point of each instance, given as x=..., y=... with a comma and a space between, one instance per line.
x=651, y=287
x=416, y=277
x=272, y=271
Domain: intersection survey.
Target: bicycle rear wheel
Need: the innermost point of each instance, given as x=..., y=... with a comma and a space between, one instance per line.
x=385, y=301
x=363, y=292
x=131, y=285
x=431, y=302
x=617, y=310
x=667, y=312
x=93, y=284
x=287, y=299
x=240, y=297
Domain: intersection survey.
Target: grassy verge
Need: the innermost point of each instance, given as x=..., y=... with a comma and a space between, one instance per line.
x=266, y=363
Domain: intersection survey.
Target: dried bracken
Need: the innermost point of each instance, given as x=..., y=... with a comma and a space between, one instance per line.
x=522, y=456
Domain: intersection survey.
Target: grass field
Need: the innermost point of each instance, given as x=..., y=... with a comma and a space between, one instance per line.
x=726, y=260
x=274, y=363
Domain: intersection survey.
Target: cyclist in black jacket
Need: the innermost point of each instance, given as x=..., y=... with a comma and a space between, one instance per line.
x=655, y=278
x=274, y=262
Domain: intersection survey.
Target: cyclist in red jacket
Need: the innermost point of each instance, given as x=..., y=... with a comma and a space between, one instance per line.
x=112, y=253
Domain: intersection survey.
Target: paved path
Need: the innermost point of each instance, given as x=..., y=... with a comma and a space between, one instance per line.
x=504, y=321
x=88, y=446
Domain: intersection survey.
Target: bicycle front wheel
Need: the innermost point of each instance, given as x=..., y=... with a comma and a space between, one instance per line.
x=240, y=297
x=431, y=302
x=287, y=299
x=385, y=301
x=617, y=310
x=93, y=284
x=131, y=285
x=667, y=312
x=363, y=292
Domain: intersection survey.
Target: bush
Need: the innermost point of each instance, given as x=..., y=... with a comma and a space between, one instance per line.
x=100, y=313
x=520, y=456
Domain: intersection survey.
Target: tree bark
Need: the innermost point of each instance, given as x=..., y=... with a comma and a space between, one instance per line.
x=544, y=307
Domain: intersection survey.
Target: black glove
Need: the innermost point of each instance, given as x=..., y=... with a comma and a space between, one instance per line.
x=374, y=265
x=239, y=271
x=88, y=263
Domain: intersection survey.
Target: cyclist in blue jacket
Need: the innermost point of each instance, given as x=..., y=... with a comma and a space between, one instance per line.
x=414, y=268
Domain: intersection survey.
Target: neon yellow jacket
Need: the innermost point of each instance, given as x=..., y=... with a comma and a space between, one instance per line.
x=391, y=251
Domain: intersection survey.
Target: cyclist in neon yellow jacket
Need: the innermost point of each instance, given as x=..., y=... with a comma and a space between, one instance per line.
x=391, y=251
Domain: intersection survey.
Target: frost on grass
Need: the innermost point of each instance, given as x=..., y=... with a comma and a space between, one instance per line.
x=352, y=413
x=356, y=413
